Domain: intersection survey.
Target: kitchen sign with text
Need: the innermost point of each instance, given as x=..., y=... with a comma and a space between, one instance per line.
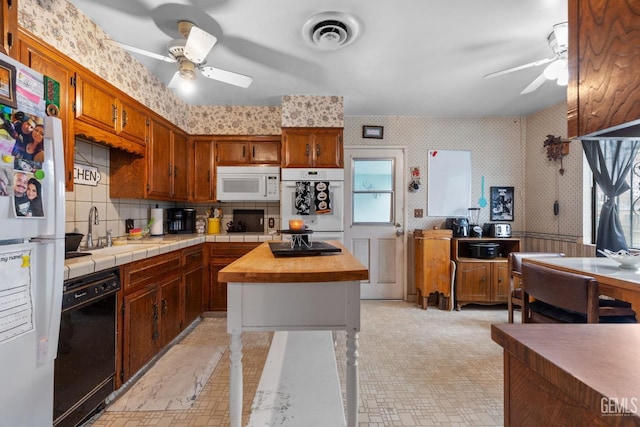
x=86, y=175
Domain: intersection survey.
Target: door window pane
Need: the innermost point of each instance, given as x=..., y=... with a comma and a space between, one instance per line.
x=373, y=191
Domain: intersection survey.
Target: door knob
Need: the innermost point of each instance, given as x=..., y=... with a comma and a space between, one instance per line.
x=399, y=229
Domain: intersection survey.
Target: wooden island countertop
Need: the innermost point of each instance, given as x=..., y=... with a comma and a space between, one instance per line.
x=261, y=266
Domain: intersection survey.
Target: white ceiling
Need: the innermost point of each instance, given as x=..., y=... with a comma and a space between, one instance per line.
x=413, y=57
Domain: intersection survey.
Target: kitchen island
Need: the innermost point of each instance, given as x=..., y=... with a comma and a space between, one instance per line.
x=268, y=293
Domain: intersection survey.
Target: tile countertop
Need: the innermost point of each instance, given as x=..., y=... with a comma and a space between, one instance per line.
x=135, y=250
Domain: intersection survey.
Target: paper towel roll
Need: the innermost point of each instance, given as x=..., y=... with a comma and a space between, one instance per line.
x=157, y=226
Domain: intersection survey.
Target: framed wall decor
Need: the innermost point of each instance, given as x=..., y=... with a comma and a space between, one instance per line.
x=8, y=85
x=501, y=203
x=372, y=132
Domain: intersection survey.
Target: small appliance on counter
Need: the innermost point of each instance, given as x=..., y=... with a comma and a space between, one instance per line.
x=460, y=226
x=181, y=220
x=484, y=250
x=474, y=227
x=499, y=230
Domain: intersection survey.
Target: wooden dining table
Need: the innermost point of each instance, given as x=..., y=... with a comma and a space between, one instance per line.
x=614, y=281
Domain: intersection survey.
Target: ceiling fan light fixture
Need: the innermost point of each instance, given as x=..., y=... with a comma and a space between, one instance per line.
x=561, y=34
x=553, y=70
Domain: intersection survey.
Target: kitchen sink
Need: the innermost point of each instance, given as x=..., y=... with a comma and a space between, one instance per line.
x=118, y=249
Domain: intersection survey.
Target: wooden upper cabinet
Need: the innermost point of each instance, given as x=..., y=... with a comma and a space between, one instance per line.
x=312, y=147
x=9, y=28
x=203, y=170
x=247, y=150
x=160, y=169
x=103, y=115
x=180, y=151
x=604, y=88
x=49, y=63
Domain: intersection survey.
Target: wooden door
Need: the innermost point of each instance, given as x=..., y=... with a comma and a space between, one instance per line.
x=141, y=329
x=181, y=151
x=203, y=170
x=265, y=152
x=95, y=104
x=159, y=161
x=217, y=291
x=51, y=64
x=194, y=281
x=500, y=291
x=327, y=148
x=473, y=281
x=133, y=122
x=170, y=310
x=230, y=153
x=9, y=27
x=296, y=148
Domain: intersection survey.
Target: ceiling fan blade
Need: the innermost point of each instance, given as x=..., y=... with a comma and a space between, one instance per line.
x=198, y=45
x=227, y=76
x=534, y=84
x=521, y=67
x=143, y=52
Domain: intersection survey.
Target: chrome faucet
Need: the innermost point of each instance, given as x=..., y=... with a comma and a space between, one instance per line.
x=96, y=221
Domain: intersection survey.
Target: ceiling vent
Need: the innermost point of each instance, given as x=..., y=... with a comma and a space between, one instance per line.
x=331, y=30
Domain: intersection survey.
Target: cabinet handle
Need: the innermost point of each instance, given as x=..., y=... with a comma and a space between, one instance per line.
x=244, y=151
x=307, y=150
x=114, y=113
x=165, y=306
x=253, y=152
x=124, y=118
x=317, y=150
x=208, y=176
x=175, y=171
x=187, y=292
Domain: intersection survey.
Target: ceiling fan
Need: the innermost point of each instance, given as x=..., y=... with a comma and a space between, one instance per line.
x=556, y=70
x=190, y=53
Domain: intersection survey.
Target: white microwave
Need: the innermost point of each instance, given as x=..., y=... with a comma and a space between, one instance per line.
x=248, y=183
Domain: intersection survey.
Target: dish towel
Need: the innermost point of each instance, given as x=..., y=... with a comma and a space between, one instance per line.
x=302, y=202
x=321, y=198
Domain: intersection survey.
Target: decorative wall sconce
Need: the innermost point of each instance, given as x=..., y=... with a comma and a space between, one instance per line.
x=557, y=148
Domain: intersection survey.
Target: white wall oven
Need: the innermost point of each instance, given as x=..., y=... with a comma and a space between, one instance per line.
x=317, y=197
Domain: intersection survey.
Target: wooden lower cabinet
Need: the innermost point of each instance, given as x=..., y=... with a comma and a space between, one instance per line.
x=482, y=281
x=160, y=297
x=221, y=255
x=432, y=267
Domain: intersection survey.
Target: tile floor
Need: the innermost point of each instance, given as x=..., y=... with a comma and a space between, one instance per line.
x=417, y=368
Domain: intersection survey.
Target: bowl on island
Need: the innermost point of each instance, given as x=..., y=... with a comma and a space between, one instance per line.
x=626, y=259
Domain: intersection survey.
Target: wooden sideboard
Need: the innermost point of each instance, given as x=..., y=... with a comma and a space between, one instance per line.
x=432, y=267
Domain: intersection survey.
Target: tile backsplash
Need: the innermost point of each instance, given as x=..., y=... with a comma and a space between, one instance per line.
x=112, y=213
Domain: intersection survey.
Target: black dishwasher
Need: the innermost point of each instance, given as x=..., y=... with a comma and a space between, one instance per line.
x=85, y=365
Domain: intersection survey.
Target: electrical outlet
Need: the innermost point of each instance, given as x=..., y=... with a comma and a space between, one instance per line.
x=417, y=213
x=272, y=222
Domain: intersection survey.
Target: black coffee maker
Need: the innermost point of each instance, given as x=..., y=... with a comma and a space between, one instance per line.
x=181, y=220
x=460, y=226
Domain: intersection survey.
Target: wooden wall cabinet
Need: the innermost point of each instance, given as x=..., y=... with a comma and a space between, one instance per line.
x=44, y=60
x=432, y=267
x=167, y=163
x=312, y=147
x=220, y=255
x=604, y=88
x=203, y=176
x=482, y=281
x=247, y=150
x=9, y=27
x=102, y=114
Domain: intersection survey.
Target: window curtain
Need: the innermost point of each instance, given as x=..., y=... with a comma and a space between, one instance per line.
x=610, y=161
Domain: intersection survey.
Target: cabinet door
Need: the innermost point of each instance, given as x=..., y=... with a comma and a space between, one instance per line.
x=296, y=148
x=203, y=170
x=265, y=152
x=141, y=329
x=327, y=148
x=500, y=291
x=159, y=161
x=194, y=281
x=133, y=122
x=170, y=310
x=217, y=300
x=95, y=104
x=50, y=64
x=180, y=146
x=230, y=153
x=474, y=281
x=9, y=27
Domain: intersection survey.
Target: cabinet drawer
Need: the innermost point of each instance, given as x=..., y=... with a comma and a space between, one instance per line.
x=140, y=273
x=232, y=249
x=192, y=257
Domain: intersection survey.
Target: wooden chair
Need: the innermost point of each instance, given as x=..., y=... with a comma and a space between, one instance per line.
x=560, y=297
x=514, y=300
x=563, y=297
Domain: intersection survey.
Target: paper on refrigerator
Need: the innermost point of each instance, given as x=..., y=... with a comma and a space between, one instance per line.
x=16, y=303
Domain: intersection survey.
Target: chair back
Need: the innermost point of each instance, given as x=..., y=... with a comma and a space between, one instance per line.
x=515, y=265
x=565, y=297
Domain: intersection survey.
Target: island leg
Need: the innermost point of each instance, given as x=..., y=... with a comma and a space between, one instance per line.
x=352, y=385
x=235, y=380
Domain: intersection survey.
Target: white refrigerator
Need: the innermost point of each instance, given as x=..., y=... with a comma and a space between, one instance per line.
x=32, y=215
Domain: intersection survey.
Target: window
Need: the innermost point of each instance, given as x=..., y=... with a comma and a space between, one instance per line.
x=628, y=206
x=373, y=191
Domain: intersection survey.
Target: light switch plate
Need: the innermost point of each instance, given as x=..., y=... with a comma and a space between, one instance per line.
x=418, y=213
